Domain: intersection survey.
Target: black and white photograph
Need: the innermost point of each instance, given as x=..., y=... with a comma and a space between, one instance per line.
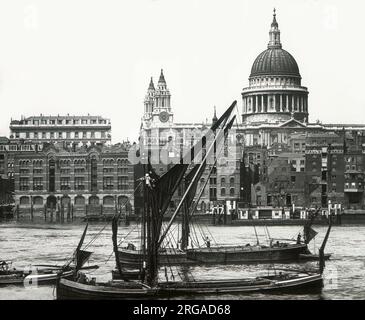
x=169, y=151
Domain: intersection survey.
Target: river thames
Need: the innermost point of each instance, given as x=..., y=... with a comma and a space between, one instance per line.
x=26, y=244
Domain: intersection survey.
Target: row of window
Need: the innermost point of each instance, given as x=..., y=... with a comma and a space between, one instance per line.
x=297, y=145
x=214, y=181
x=27, y=163
x=37, y=122
x=61, y=135
x=231, y=192
x=79, y=183
x=353, y=185
x=275, y=81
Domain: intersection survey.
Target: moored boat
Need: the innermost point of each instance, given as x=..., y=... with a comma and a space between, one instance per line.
x=283, y=282
x=45, y=274
x=158, y=192
x=40, y=277
x=247, y=254
x=282, y=252
x=167, y=256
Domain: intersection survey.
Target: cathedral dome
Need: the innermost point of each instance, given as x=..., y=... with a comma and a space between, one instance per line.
x=275, y=94
x=275, y=61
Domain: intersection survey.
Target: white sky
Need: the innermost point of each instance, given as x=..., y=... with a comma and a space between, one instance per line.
x=94, y=56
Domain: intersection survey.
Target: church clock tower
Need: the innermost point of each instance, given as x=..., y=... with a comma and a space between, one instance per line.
x=157, y=105
x=162, y=114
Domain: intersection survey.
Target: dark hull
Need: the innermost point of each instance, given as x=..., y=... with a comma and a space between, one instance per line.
x=313, y=283
x=67, y=289
x=126, y=275
x=232, y=255
x=219, y=255
x=133, y=258
x=72, y=290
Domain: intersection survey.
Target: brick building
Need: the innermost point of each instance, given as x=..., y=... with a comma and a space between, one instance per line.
x=95, y=180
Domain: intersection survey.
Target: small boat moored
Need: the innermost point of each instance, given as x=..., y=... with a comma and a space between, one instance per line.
x=45, y=274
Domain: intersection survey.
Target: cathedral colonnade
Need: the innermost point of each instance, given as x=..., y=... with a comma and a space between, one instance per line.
x=275, y=102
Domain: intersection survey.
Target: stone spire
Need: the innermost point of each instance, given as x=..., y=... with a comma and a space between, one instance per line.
x=151, y=86
x=149, y=100
x=161, y=85
x=274, y=33
x=215, y=119
x=162, y=78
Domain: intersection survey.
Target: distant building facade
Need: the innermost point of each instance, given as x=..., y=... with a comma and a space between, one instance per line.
x=8, y=151
x=95, y=180
x=68, y=129
x=284, y=160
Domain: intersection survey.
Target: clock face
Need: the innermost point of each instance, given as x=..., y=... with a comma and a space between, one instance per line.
x=164, y=116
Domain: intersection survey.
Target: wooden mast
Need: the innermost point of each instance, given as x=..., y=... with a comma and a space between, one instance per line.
x=321, y=250
x=206, y=154
x=188, y=212
x=143, y=227
x=115, y=244
x=185, y=229
x=151, y=232
x=152, y=200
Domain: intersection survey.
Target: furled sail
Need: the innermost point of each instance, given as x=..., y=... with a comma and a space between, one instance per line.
x=81, y=256
x=226, y=124
x=309, y=234
x=160, y=190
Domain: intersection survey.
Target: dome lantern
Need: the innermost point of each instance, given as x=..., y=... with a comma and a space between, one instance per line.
x=274, y=34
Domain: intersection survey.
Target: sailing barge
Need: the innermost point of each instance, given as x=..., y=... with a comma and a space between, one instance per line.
x=158, y=192
x=287, y=283
x=282, y=252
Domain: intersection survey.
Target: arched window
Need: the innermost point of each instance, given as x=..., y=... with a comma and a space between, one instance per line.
x=223, y=192
x=231, y=192
x=65, y=201
x=94, y=200
x=79, y=201
x=108, y=201
x=38, y=201
x=122, y=200
x=24, y=200
x=231, y=180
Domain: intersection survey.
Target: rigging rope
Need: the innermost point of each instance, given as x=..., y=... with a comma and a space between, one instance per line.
x=71, y=258
x=114, y=215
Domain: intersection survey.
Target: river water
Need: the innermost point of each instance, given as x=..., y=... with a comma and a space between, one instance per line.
x=26, y=244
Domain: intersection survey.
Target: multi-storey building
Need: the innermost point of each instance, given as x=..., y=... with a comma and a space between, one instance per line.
x=8, y=150
x=83, y=181
x=68, y=129
x=324, y=169
x=354, y=171
x=167, y=140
